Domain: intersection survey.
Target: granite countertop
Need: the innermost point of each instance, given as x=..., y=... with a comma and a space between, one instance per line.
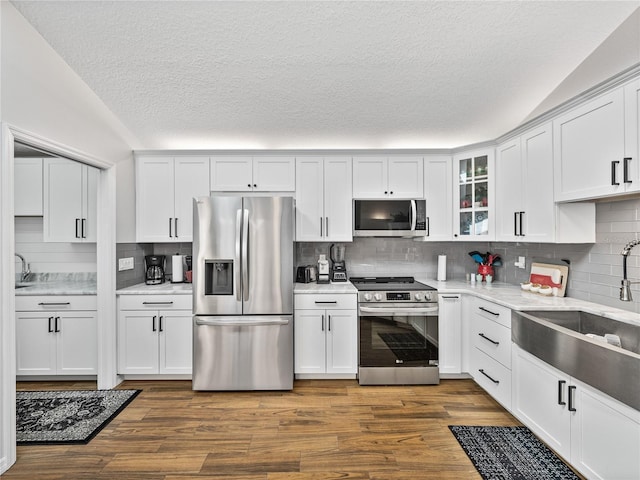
x=166, y=288
x=513, y=297
x=330, y=288
x=59, y=284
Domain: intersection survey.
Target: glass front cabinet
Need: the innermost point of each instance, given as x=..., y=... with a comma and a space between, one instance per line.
x=473, y=207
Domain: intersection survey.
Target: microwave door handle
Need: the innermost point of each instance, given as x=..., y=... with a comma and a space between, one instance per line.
x=238, y=253
x=245, y=255
x=413, y=215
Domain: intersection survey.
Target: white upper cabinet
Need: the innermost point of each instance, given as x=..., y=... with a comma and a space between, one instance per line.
x=589, y=148
x=525, y=210
x=28, y=186
x=438, y=185
x=70, y=201
x=631, y=162
x=473, y=205
x=253, y=174
x=388, y=177
x=323, y=199
x=165, y=188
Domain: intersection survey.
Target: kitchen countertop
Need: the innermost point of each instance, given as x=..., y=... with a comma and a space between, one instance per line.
x=166, y=288
x=513, y=297
x=59, y=284
x=336, y=287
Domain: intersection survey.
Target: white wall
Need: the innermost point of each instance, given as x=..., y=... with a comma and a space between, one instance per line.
x=126, y=202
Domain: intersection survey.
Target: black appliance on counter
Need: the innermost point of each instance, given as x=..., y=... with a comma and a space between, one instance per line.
x=398, y=331
x=338, y=265
x=154, y=269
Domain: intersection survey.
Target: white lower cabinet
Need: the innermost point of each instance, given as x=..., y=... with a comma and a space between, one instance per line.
x=155, y=335
x=490, y=344
x=597, y=434
x=450, y=334
x=53, y=339
x=325, y=335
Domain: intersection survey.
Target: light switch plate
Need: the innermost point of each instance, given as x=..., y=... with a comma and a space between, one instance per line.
x=521, y=263
x=125, y=264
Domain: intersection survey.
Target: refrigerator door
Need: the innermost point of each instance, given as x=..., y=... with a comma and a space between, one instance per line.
x=267, y=246
x=217, y=235
x=243, y=353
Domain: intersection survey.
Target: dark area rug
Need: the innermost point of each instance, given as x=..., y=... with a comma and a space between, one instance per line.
x=510, y=453
x=63, y=417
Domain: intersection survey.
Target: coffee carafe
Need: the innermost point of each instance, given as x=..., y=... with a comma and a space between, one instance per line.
x=338, y=265
x=154, y=266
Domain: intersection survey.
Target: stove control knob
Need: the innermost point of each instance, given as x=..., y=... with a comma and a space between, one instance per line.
x=377, y=297
x=367, y=297
x=418, y=296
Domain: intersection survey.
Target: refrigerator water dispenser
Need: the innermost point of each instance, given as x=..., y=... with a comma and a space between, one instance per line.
x=218, y=277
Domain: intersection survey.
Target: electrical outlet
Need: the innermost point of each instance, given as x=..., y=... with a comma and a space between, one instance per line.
x=521, y=263
x=125, y=264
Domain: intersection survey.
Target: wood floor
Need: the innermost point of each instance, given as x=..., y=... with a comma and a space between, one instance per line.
x=320, y=430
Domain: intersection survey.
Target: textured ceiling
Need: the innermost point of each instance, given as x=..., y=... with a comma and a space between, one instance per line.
x=328, y=74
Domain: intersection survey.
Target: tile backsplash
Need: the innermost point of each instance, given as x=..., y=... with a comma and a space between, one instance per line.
x=595, y=270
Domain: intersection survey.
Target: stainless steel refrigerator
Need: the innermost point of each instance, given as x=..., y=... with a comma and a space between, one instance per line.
x=243, y=293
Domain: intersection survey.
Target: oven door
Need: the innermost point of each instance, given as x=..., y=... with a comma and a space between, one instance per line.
x=398, y=335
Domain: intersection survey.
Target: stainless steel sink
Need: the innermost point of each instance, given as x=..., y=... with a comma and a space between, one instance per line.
x=559, y=339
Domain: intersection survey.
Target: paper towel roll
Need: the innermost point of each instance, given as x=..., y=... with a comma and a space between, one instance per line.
x=442, y=268
x=177, y=269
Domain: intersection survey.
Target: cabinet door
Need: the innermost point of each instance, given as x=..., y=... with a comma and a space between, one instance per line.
x=28, y=187
x=191, y=179
x=309, y=341
x=509, y=190
x=138, y=348
x=342, y=341
x=631, y=164
x=605, y=435
x=587, y=142
x=540, y=400
x=77, y=338
x=473, y=205
x=438, y=183
x=538, y=219
x=231, y=174
x=274, y=174
x=63, y=186
x=450, y=334
x=370, y=177
x=89, y=227
x=35, y=343
x=176, y=342
x=154, y=199
x=406, y=177
x=338, y=209
x=309, y=199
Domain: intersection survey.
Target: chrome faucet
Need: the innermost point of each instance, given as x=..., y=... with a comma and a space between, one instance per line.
x=625, y=289
x=26, y=271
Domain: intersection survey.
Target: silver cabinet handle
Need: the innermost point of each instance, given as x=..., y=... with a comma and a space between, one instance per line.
x=321, y=226
x=450, y=297
x=326, y=230
x=488, y=339
x=322, y=327
x=489, y=377
x=84, y=228
x=326, y=302
x=45, y=304
x=175, y=229
x=170, y=234
x=157, y=303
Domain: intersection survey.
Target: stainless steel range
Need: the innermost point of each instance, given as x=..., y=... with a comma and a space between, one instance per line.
x=398, y=331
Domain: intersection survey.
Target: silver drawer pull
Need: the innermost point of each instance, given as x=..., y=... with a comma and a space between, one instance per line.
x=489, y=311
x=494, y=381
x=157, y=303
x=44, y=304
x=327, y=302
x=488, y=339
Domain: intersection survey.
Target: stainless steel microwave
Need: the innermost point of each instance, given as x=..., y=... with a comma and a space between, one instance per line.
x=390, y=218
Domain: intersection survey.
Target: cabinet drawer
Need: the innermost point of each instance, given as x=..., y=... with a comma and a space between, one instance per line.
x=494, y=312
x=155, y=302
x=494, y=377
x=27, y=303
x=493, y=339
x=325, y=301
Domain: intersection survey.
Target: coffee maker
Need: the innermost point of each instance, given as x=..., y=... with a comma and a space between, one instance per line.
x=338, y=266
x=154, y=267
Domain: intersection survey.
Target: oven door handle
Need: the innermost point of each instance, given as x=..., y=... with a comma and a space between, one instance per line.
x=397, y=312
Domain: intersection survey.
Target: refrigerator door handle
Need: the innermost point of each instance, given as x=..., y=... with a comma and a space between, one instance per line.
x=241, y=322
x=245, y=255
x=238, y=253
